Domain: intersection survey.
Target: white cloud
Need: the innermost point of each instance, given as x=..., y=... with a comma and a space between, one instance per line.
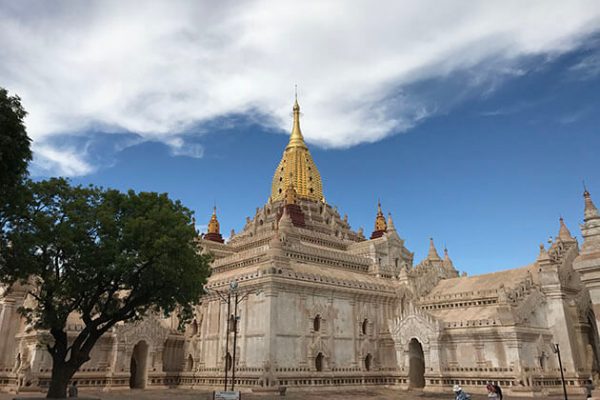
x=157, y=68
x=587, y=68
x=181, y=148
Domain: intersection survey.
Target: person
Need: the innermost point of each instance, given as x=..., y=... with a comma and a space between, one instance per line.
x=498, y=390
x=491, y=391
x=73, y=389
x=460, y=395
x=589, y=387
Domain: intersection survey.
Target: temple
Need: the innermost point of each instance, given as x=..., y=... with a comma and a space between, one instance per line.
x=318, y=304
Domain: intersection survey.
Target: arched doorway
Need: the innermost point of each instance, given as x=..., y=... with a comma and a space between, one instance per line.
x=368, y=361
x=416, y=364
x=319, y=362
x=137, y=367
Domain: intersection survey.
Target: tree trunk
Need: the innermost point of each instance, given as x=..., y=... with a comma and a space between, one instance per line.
x=61, y=375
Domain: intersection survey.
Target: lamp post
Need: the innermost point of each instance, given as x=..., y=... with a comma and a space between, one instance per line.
x=232, y=322
x=556, y=349
x=226, y=298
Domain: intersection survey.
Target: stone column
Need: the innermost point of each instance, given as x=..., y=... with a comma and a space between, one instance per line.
x=270, y=316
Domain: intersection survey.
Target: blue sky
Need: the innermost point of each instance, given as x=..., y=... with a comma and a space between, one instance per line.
x=477, y=133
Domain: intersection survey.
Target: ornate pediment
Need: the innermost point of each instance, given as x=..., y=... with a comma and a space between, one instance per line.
x=419, y=326
x=149, y=329
x=319, y=346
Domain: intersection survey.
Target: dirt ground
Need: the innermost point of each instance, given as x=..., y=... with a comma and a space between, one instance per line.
x=342, y=394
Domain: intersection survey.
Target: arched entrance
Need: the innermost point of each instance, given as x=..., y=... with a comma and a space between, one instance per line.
x=368, y=361
x=139, y=359
x=416, y=364
x=319, y=362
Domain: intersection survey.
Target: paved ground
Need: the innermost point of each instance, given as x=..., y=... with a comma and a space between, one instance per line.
x=184, y=394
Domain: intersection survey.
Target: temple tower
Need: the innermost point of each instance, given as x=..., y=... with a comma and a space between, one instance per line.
x=213, y=232
x=588, y=261
x=297, y=168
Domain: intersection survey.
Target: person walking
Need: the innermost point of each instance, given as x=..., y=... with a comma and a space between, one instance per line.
x=491, y=391
x=589, y=387
x=460, y=394
x=498, y=390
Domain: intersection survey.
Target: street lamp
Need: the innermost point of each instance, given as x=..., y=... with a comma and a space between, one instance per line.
x=556, y=350
x=232, y=321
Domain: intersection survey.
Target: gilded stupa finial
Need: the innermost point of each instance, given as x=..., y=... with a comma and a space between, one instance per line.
x=297, y=167
x=213, y=224
x=214, y=231
x=380, y=224
x=296, y=96
x=296, y=138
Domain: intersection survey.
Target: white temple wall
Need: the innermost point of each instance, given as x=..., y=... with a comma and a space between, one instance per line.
x=560, y=323
x=339, y=336
x=11, y=323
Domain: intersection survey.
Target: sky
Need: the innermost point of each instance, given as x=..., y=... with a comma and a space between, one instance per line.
x=475, y=123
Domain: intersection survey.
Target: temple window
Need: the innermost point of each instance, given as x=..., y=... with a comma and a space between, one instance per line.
x=364, y=326
x=317, y=323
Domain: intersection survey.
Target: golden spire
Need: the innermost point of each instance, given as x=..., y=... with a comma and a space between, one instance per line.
x=297, y=167
x=380, y=224
x=213, y=224
x=296, y=138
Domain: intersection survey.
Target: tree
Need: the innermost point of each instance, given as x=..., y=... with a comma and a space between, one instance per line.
x=106, y=256
x=15, y=152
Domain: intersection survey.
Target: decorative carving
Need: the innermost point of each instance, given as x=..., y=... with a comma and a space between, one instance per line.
x=417, y=325
x=149, y=329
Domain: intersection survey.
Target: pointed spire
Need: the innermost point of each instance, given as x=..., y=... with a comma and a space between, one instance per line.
x=449, y=265
x=213, y=232
x=380, y=224
x=297, y=165
x=563, y=232
x=446, y=256
x=590, y=212
x=433, y=254
x=213, y=224
x=390, y=223
x=296, y=138
x=590, y=229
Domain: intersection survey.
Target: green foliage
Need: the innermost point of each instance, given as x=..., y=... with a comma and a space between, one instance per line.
x=15, y=152
x=106, y=255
